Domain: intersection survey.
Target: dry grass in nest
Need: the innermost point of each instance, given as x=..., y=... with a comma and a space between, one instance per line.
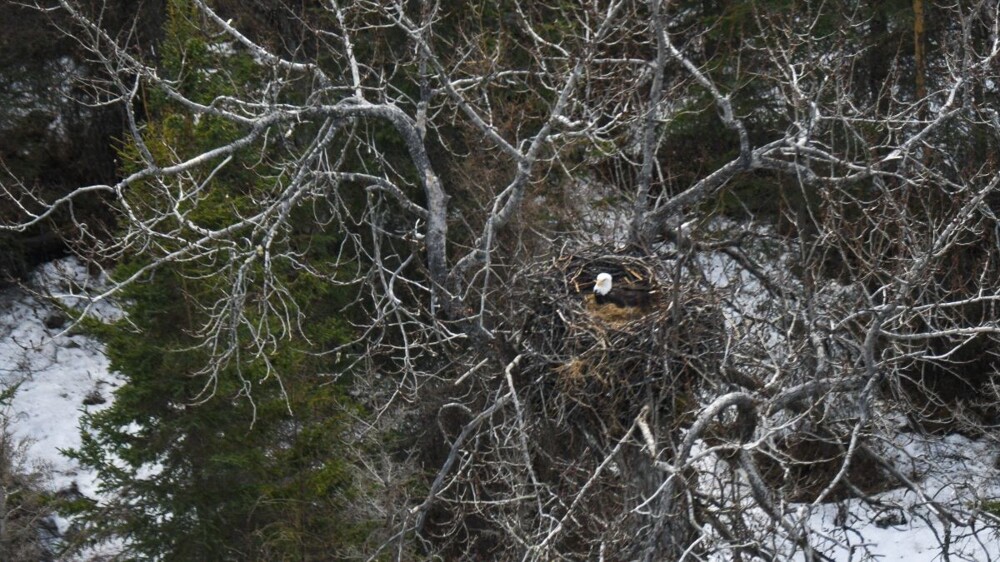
x=612, y=315
x=574, y=374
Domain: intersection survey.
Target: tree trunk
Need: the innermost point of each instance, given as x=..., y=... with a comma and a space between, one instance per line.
x=919, y=59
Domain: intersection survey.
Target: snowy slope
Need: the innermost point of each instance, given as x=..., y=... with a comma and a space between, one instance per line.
x=61, y=372
x=951, y=471
x=947, y=471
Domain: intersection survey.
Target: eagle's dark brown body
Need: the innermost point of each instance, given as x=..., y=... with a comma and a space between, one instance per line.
x=621, y=294
x=626, y=297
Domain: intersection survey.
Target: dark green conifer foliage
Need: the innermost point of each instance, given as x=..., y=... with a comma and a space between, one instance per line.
x=247, y=465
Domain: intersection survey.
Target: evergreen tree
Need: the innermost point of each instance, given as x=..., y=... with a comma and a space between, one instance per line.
x=250, y=462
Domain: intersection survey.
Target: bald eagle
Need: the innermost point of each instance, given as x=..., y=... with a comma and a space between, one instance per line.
x=633, y=295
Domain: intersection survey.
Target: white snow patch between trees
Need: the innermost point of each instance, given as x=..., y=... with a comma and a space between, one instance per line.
x=61, y=372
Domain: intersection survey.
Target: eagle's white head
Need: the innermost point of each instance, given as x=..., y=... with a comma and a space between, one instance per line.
x=603, y=284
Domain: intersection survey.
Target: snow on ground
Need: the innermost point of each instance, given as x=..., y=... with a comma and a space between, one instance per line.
x=950, y=471
x=61, y=372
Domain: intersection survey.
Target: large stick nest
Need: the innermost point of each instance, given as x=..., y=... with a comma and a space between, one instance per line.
x=585, y=372
x=611, y=360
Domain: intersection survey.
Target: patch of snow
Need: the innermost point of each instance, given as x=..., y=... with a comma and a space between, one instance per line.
x=61, y=372
x=939, y=518
x=949, y=471
x=223, y=48
x=71, y=283
x=52, y=96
